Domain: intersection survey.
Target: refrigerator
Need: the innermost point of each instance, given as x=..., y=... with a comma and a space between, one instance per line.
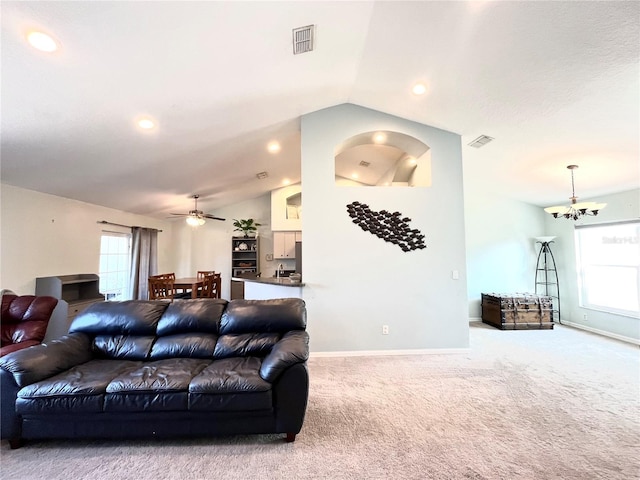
x=299, y=257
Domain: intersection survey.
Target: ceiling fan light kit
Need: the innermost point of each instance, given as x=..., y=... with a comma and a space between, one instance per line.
x=195, y=220
x=195, y=217
x=575, y=210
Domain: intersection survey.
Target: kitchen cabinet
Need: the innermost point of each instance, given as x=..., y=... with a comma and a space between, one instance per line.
x=284, y=244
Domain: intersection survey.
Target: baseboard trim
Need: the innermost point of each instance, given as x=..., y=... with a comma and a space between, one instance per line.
x=604, y=333
x=387, y=353
x=475, y=319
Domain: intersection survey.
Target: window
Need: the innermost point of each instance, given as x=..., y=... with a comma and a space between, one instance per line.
x=609, y=267
x=115, y=260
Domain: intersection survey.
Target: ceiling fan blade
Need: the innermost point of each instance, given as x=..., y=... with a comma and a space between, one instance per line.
x=206, y=215
x=180, y=214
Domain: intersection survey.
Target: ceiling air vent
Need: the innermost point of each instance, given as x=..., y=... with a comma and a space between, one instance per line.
x=364, y=164
x=262, y=175
x=303, y=39
x=480, y=141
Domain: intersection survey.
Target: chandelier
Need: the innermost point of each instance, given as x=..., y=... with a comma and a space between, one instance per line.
x=576, y=209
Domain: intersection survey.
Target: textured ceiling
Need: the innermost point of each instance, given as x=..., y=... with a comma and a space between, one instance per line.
x=554, y=83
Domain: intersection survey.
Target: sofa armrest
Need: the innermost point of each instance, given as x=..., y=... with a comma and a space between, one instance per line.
x=43, y=361
x=14, y=347
x=292, y=348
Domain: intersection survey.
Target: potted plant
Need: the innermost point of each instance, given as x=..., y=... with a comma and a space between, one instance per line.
x=246, y=226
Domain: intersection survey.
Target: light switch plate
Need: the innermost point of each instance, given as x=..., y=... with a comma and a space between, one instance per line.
x=268, y=257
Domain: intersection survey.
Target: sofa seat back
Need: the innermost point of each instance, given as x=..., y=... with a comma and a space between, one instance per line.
x=197, y=328
x=24, y=320
x=123, y=330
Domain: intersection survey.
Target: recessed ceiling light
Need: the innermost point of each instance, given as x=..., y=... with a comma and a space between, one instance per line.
x=273, y=147
x=42, y=42
x=379, y=137
x=354, y=175
x=286, y=181
x=411, y=160
x=419, y=89
x=146, y=123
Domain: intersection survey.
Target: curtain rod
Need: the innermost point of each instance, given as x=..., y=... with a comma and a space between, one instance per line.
x=104, y=222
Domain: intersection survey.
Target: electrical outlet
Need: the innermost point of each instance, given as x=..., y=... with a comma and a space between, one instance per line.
x=585, y=318
x=385, y=329
x=269, y=257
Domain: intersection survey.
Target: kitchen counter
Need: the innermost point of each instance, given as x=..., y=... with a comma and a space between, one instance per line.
x=283, y=281
x=263, y=288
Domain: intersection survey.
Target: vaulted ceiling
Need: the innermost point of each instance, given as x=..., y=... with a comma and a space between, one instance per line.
x=555, y=83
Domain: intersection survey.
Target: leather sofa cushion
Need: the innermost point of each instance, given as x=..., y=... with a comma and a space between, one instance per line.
x=277, y=315
x=189, y=345
x=231, y=402
x=230, y=384
x=235, y=375
x=198, y=315
x=123, y=346
x=131, y=317
x=155, y=386
x=58, y=405
x=79, y=389
x=146, y=402
x=245, y=345
x=171, y=374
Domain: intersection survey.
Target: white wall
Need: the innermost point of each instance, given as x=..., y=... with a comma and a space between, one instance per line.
x=44, y=235
x=500, y=245
x=355, y=281
x=620, y=206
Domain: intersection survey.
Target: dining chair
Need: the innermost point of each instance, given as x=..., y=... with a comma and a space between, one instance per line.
x=161, y=288
x=218, y=280
x=178, y=293
x=209, y=287
x=204, y=273
x=171, y=276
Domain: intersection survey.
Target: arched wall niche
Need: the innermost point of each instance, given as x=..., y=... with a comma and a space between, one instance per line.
x=382, y=158
x=294, y=206
x=286, y=208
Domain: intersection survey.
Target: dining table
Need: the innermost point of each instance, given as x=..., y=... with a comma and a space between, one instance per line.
x=186, y=283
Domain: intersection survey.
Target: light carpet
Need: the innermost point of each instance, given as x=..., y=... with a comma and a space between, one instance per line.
x=539, y=404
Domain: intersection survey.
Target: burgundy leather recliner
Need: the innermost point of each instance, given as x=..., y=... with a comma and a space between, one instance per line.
x=24, y=320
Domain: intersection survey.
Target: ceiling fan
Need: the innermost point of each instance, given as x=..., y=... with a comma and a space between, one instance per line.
x=197, y=217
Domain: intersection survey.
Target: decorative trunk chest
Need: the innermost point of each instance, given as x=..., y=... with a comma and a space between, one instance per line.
x=517, y=311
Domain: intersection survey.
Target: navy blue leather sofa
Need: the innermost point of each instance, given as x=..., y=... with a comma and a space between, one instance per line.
x=199, y=367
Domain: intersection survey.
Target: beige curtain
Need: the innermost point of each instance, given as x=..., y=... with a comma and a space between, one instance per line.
x=144, y=261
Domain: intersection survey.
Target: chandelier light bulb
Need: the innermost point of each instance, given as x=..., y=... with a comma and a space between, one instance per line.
x=576, y=209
